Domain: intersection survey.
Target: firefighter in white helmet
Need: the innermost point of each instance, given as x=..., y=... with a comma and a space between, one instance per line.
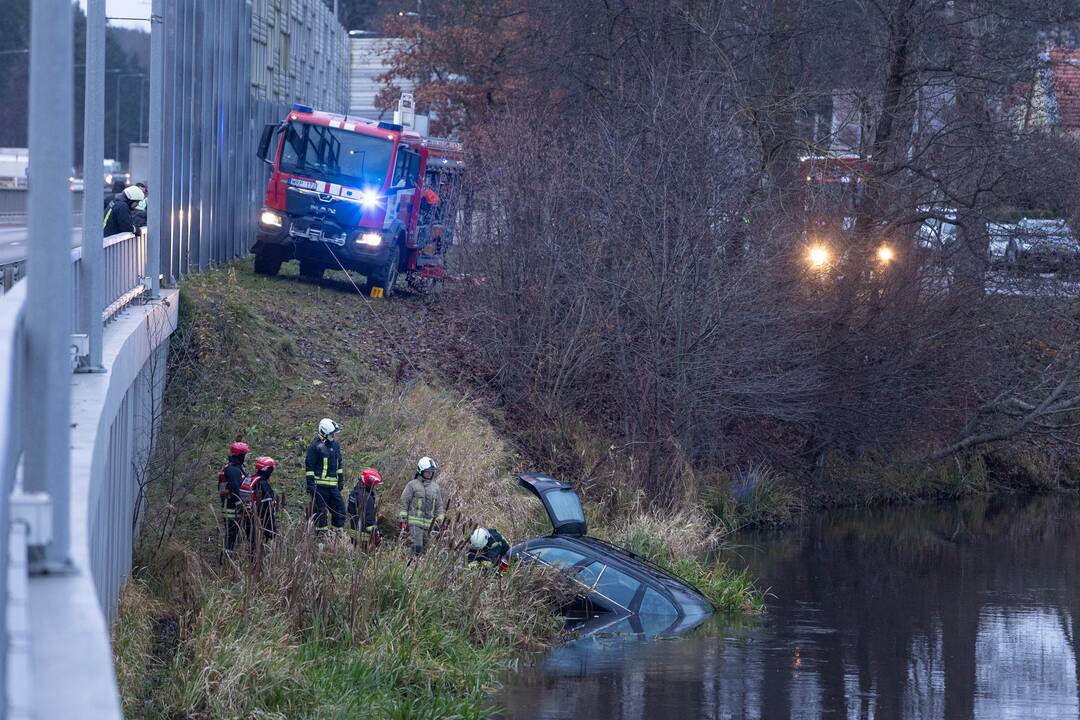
x=325, y=476
x=488, y=549
x=422, y=505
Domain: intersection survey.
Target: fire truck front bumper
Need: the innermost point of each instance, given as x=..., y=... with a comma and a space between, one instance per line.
x=315, y=240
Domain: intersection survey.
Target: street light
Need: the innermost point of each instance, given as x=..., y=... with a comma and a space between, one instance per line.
x=885, y=255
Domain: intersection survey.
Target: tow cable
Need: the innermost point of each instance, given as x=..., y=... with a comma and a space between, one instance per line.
x=390, y=337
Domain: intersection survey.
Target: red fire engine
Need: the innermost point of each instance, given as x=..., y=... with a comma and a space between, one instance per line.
x=375, y=197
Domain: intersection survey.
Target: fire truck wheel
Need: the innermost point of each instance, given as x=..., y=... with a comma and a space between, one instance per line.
x=311, y=271
x=268, y=261
x=385, y=277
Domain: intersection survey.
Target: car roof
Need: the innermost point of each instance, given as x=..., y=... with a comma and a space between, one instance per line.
x=625, y=560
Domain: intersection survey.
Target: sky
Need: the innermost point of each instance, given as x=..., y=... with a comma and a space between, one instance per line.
x=126, y=8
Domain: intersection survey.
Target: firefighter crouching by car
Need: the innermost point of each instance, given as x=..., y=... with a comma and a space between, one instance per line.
x=230, y=479
x=363, y=509
x=488, y=549
x=422, y=505
x=325, y=476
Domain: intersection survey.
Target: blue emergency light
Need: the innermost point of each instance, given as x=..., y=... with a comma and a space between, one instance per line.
x=383, y=125
x=303, y=108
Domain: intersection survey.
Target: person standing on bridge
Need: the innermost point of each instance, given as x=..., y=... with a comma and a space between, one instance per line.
x=325, y=476
x=423, y=507
x=120, y=216
x=230, y=479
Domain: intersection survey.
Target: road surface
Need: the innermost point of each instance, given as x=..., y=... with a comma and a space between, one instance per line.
x=13, y=239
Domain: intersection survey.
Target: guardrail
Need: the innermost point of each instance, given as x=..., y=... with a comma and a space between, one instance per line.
x=15, y=660
x=125, y=273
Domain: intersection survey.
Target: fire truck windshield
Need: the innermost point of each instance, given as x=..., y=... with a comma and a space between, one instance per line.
x=334, y=155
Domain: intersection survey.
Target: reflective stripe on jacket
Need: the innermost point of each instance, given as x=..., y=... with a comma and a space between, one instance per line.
x=421, y=503
x=323, y=465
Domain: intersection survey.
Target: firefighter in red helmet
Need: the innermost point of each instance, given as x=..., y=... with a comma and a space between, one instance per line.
x=230, y=479
x=363, y=508
x=264, y=501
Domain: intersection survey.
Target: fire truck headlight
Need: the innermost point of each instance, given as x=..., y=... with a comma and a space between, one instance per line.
x=372, y=239
x=369, y=199
x=270, y=218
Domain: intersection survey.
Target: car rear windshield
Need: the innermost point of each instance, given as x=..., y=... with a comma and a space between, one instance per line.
x=335, y=155
x=565, y=506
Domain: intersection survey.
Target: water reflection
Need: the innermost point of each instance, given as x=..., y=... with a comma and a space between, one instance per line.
x=959, y=612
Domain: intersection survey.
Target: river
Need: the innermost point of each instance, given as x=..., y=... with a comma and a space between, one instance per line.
x=953, y=612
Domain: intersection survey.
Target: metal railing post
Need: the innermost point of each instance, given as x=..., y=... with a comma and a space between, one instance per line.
x=49, y=277
x=91, y=267
x=157, y=146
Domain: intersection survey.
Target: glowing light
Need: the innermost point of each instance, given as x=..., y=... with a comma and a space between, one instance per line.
x=369, y=198
x=271, y=218
x=372, y=239
x=885, y=254
x=818, y=256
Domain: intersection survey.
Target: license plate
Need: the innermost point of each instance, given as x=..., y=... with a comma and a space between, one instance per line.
x=306, y=184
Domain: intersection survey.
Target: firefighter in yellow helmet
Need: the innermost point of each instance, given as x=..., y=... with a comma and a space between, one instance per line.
x=422, y=505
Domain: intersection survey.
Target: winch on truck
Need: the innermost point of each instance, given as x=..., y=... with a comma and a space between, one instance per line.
x=370, y=196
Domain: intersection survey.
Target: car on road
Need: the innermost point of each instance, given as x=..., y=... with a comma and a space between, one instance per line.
x=620, y=592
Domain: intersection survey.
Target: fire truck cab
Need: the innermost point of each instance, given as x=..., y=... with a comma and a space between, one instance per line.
x=346, y=193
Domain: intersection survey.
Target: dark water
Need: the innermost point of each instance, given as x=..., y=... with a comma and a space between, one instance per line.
x=957, y=612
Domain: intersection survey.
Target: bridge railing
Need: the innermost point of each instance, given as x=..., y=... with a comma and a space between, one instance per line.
x=14, y=633
x=124, y=265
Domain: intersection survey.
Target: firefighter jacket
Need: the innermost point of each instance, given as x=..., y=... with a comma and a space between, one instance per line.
x=362, y=505
x=118, y=218
x=265, y=500
x=323, y=465
x=234, y=476
x=421, y=503
x=493, y=552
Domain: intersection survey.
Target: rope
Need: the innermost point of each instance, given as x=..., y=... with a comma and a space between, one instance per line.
x=378, y=320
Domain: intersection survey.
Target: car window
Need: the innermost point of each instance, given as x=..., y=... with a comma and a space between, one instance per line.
x=590, y=573
x=557, y=556
x=618, y=586
x=565, y=506
x=655, y=604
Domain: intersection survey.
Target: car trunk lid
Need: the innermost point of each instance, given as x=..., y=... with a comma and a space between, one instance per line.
x=562, y=504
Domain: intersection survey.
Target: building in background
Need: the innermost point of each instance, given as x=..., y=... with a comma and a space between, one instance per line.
x=367, y=61
x=299, y=54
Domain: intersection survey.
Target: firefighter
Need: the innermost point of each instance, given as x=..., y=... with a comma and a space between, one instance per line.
x=138, y=215
x=488, y=549
x=363, y=509
x=229, y=481
x=422, y=505
x=264, y=500
x=120, y=216
x=325, y=476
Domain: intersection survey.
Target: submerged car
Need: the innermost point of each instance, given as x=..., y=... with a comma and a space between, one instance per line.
x=620, y=591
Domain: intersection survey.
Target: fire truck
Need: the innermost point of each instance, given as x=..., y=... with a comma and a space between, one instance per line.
x=371, y=196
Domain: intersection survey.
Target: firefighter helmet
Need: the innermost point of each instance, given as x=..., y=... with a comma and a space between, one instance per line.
x=239, y=448
x=425, y=463
x=370, y=477
x=134, y=194
x=264, y=462
x=328, y=427
x=479, y=538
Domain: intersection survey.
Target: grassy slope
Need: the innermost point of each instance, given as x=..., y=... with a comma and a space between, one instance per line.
x=326, y=632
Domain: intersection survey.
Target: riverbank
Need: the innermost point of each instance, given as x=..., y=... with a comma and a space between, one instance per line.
x=328, y=631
